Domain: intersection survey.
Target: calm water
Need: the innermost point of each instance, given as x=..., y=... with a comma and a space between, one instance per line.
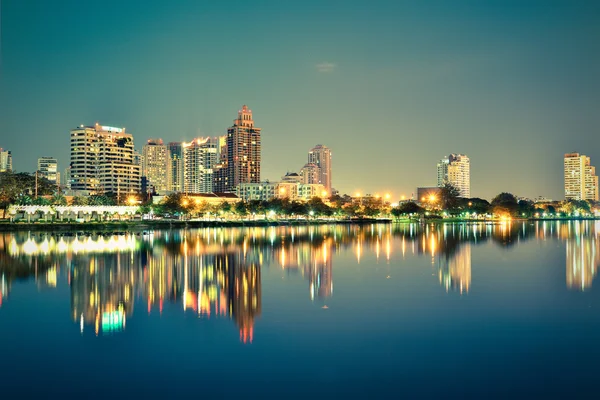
x=320, y=312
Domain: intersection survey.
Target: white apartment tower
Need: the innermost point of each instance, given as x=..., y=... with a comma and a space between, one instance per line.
x=156, y=165
x=456, y=170
x=321, y=156
x=5, y=160
x=47, y=167
x=581, y=181
x=102, y=161
x=199, y=158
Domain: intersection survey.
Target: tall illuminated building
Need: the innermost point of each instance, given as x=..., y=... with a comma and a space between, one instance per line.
x=5, y=160
x=156, y=165
x=243, y=148
x=102, y=161
x=199, y=157
x=47, y=167
x=581, y=181
x=310, y=174
x=456, y=170
x=321, y=156
x=176, y=161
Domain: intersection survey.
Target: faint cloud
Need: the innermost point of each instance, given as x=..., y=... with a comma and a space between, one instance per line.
x=325, y=67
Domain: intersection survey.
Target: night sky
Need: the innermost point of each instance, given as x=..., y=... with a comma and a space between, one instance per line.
x=390, y=86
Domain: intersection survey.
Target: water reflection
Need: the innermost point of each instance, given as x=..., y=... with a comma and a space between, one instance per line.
x=216, y=273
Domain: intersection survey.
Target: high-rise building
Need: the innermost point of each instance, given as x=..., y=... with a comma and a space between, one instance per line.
x=156, y=165
x=243, y=146
x=176, y=154
x=321, y=156
x=102, y=161
x=456, y=170
x=581, y=181
x=199, y=158
x=47, y=167
x=310, y=174
x=66, y=182
x=5, y=160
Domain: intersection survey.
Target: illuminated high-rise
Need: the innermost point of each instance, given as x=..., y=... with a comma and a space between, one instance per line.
x=581, y=181
x=47, y=167
x=310, y=174
x=156, y=165
x=243, y=148
x=5, y=160
x=102, y=161
x=176, y=160
x=456, y=170
x=199, y=157
x=321, y=157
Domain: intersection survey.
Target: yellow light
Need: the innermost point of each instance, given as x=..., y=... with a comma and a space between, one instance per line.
x=402, y=197
x=387, y=196
x=432, y=198
x=324, y=193
x=282, y=190
x=422, y=198
x=131, y=200
x=185, y=203
x=357, y=194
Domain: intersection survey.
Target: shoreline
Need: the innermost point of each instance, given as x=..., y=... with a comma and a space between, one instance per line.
x=162, y=224
x=175, y=224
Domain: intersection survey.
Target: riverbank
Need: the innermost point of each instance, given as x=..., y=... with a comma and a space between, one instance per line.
x=169, y=224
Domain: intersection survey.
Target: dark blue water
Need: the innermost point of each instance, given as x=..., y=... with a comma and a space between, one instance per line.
x=375, y=311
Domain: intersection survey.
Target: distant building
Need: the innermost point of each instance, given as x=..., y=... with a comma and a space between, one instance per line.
x=581, y=181
x=321, y=156
x=47, y=167
x=66, y=181
x=176, y=161
x=5, y=160
x=456, y=170
x=310, y=174
x=199, y=158
x=262, y=191
x=156, y=165
x=243, y=154
x=102, y=161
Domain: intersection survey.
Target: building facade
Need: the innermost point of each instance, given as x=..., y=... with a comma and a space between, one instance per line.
x=176, y=161
x=310, y=174
x=5, y=160
x=102, y=161
x=47, y=167
x=581, y=181
x=456, y=170
x=321, y=157
x=156, y=165
x=199, y=158
x=243, y=154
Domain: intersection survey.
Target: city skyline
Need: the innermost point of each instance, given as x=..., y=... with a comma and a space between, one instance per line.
x=417, y=84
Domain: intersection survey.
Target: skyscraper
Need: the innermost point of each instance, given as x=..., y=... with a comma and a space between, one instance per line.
x=581, y=181
x=102, y=161
x=176, y=160
x=5, y=160
x=156, y=165
x=321, y=156
x=199, y=158
x=456, y=170
x=47, y=167
x=243, y=147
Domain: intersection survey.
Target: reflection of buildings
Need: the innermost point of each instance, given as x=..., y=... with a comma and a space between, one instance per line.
x=583, y=260
x=4, y=289
x=102, y=290
x=456, y=271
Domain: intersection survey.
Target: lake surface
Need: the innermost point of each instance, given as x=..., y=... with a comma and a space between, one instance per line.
x=372, y=311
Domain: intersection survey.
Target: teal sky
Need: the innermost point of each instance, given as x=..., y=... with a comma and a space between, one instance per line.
x=390, y=86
